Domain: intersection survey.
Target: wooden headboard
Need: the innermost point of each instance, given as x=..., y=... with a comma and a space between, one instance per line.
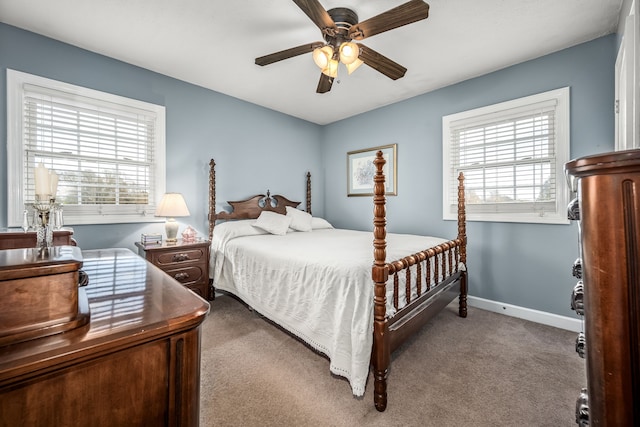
x=252, y=207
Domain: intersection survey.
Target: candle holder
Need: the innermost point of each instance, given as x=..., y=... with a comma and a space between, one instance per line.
x=44, y=231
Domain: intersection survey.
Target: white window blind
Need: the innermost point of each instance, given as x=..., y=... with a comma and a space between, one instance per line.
x=512, y=156
x=108, y=151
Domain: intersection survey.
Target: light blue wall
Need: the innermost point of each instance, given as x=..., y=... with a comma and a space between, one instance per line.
x=526, y=265
x=522, y=264
x=251, y=145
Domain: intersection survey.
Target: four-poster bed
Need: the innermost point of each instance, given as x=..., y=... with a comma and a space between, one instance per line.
x=384, y=303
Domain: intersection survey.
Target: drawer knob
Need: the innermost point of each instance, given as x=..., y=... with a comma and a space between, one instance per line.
x=180, y=257
x=577, y=298
x=181, y=276
x=582, y=409
x=576, y=270
x=581, y=344
x=573, y=210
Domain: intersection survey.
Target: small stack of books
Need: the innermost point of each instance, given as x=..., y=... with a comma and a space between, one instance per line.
x=151, y=239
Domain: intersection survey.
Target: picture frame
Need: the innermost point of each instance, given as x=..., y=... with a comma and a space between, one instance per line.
x=361, y=170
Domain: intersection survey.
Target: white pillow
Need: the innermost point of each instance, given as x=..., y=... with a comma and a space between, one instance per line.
x=317, y=223
x=300, y=220
x=229, y=230
x=274, y=223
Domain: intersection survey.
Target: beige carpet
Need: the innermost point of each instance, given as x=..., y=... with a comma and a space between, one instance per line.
x=485, y=370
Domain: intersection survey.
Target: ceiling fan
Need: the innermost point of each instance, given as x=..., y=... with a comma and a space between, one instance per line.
x=339, y=27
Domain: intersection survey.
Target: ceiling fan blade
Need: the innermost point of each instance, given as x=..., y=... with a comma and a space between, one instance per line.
x=288, y=53
x=318, y=14
x=381, y=63
x=407, y=13
x=325, y=83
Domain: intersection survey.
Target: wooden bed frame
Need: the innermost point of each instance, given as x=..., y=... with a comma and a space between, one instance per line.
x=444, y=259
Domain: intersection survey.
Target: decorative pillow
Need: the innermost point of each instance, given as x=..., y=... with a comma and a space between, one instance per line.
x=300, y=220
x=317, y=223
x=274, y=223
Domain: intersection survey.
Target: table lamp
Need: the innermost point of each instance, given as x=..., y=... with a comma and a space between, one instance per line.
x=171, y=206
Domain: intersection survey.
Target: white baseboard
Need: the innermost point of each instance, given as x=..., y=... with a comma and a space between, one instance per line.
x=542, y=317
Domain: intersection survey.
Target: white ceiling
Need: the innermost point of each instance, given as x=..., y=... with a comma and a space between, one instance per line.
x=213, y=43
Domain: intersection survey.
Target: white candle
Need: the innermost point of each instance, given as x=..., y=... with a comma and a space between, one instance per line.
x=42, y=180
x=53, y=183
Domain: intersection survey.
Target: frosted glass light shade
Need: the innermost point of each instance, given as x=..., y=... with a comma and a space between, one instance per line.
x=332, y=68
x=349, y=52
x=354, y=65
x=322, y=56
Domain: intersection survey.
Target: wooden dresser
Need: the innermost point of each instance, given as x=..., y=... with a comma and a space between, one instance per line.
x=136, y=363
x=187, y=262
x=14, y=238
x=608, y=212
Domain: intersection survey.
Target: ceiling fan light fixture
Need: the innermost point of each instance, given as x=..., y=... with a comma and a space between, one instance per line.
x=340, y=29
x=331, y=69
x=349, y=52
x=322, y=56
x=354, y=65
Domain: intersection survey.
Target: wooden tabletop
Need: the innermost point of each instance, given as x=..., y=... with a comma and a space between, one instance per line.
x=131, y=302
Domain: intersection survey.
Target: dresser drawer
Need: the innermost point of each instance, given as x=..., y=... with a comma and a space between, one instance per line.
x=173, y=258
x=187, y=275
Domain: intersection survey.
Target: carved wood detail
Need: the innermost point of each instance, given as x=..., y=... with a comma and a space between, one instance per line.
x=309, y=193
x=380, y=274
x=212, y=197
x=252, y=207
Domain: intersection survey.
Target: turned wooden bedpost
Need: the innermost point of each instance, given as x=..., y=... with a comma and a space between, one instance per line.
x=462, y=236
x=380, y=274
x=212, y=197
x=309, y=193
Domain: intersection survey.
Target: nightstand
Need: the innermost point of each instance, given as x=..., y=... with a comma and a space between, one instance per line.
x=187, y=262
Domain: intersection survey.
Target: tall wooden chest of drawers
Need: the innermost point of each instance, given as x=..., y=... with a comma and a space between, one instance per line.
x=608, y=212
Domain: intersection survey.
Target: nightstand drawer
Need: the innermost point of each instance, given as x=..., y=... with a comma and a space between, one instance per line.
x=177, y=257
x=186, y=275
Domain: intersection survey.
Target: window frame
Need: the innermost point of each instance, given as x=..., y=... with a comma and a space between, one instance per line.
x=16, y=192
x=497, y=212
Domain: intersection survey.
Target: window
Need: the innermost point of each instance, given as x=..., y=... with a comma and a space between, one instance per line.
x=512, y=155
x=107, y=150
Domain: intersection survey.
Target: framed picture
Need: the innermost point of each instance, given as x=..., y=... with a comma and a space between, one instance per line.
x=360, y=170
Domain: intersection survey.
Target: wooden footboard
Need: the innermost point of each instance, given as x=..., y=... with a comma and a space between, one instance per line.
x=440, y=275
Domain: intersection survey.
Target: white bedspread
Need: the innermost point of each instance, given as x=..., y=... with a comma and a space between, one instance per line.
x=315, y=284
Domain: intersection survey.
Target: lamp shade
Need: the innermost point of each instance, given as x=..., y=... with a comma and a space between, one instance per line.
x=332, y=68
x=349, y=52
x=172, y=205
x=354, y=65
x=322, y=55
